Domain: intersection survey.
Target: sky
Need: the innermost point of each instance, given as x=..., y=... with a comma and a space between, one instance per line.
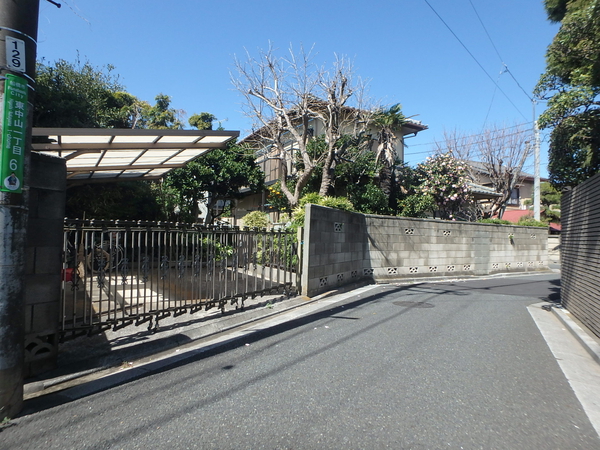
x=444, y=61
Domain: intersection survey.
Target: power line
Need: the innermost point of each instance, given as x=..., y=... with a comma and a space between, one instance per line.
x=506, y=69
x=474, y=142
x=474, y=58
x=479, y=134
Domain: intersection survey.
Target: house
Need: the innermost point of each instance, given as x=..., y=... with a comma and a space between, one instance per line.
x=522, y=193
x=272, y=165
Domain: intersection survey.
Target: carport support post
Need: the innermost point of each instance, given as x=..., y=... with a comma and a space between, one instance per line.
x=18, y=34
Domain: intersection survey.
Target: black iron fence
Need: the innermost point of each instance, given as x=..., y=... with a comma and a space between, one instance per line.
x=118, y=273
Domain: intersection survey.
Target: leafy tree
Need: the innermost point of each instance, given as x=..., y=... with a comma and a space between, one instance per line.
x=128, y=200
x=217, y=175
x=161, y=116
x=202, y=121
x=80, y=95
x=571, y=84
x=445, y=179
x=549, y=197
x=388, y=122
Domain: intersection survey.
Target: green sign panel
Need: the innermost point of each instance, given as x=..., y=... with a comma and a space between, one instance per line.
x=14, y=131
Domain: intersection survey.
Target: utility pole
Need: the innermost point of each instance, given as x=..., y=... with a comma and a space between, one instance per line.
x=18, y=46
x=536, y=168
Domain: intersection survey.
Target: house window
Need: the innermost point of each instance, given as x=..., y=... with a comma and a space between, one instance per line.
x=515, y=195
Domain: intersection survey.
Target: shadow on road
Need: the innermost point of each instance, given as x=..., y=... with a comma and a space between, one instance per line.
x=546, y=289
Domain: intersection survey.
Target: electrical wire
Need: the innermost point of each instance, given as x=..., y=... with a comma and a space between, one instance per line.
x=470, y=143
x=474, y=58
x=479, y=134
x=506, y=69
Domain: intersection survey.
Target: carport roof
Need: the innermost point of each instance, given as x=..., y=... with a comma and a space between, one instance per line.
x=117, y=154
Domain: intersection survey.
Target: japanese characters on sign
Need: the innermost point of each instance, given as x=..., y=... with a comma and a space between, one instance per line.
x=14, y=129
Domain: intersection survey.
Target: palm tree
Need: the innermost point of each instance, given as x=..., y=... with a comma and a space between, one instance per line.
x=388, y=122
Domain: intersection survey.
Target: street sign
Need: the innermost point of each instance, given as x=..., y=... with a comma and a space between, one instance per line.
x=14, y=132
x=15, y=54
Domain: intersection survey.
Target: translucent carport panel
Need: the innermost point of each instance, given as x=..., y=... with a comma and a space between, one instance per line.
x=213, y=139
x=185, y=139
x=156, y=157
x=148, y=139
x=186, y=155
x=83, y=139
x=87, y=159
x=120, y=157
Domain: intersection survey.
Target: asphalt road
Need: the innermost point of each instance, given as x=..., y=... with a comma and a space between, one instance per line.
x=430, y=366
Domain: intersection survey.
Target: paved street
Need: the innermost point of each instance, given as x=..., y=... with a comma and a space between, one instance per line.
x=431, y=366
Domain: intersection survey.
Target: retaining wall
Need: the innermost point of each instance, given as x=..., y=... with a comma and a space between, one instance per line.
x=342, y=247
x=580, y=253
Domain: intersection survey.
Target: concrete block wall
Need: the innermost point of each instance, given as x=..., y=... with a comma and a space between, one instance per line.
x=394, y=248
x=580, y=253
x=43, y=261
x=404, y=247
x=334, y=249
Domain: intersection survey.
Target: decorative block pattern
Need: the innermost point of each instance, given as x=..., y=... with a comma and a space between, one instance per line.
x=340, y=278
x=323, y=281
x=533, y=236
x=395, y=247
x=354, y=274
x=519, y=264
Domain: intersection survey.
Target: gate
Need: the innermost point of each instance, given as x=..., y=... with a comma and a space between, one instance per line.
x=119, y=273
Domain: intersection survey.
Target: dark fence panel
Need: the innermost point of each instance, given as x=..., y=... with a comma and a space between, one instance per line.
x=116, y=274
x=580, y=253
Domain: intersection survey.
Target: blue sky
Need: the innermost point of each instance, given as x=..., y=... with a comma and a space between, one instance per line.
x=186, y=48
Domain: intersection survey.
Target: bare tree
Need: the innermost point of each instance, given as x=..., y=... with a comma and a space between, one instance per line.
x=337, y=118
x=494, y=157
x=287, y=98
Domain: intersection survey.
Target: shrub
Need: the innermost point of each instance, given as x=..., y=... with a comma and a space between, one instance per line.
x=496, y=221
x=417, y=205
x=337, y=202
x=332, y=202
x=313, y=198
x=256, y=219
x=529, y=222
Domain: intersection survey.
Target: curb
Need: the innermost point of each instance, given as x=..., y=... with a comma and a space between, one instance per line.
x=213, y=329
x=582, y=336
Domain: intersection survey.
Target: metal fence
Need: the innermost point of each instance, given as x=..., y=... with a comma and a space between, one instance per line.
x=118, y=273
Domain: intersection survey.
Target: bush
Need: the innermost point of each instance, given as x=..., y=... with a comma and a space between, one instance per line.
x=495, y=221
x=313, y=198
x=332, y=202
x=256, y=219
x=417, y=205
x=337, y=202
x=529, y=222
